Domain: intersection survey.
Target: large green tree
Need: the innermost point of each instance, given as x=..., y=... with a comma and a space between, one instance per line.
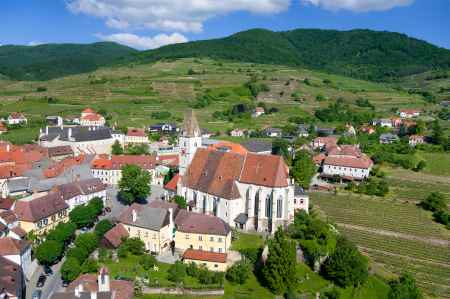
x=88, y=241
x=49, y=252
x=303, y=169
x=405, y=288
x=83, y=216
x=102, y=227
x=116, y=148
x=279, y=271
x=63, y=232
x=438, y=133
x=70, y=269
x=346, y=266
x=434, y=202
x=134, y=184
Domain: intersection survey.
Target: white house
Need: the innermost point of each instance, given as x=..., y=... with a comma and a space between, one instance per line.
x=248, y=191
x=348, y=162
x=383, y=122
x=16, y=118
x=409, y=113
x=81, y=192
x=237, y=133
x=109, y=169
x=136, y=136
x=91, y=118
x=416, y=139
x=258, y=112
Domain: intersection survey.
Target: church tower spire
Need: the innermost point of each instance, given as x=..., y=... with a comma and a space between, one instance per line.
x=190, y=139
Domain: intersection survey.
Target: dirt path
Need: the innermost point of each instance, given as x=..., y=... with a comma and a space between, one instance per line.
x=433, y=241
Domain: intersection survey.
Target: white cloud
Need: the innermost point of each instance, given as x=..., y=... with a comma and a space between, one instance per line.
x=144, y=42
x=358, y=5
x=35, y=43
x=170, y=15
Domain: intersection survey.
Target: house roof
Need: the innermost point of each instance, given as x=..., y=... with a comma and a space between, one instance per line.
x=136, y=132
x=216, y=172
x=147, y=217
x=78, y=133
x=118, y=161
x=18, y=184
x=258, y=146
x=206, y=256
x=328, y=140
x=8, y=216
x=83, y=187
x=229, y=147
x=88, y=110
x=363, y=162
x=60, y=151
x=16, y=115
x=172, y=184
x=6, y=203
x=11, y=246
x=115, y=235
x=11, y=276
x=19, y=231
x=35, y=209
x=189, y=222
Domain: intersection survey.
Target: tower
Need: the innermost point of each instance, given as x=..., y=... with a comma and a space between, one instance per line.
x=190, y=140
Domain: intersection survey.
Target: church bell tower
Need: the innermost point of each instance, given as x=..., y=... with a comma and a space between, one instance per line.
x=189, y=141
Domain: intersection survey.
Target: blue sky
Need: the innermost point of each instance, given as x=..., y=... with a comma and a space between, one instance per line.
x=146, y=24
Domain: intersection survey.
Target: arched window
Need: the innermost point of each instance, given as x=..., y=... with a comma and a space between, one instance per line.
x=204, y=204
x=216, y=206
x=280, y=207
x=247, y=200
x=269, y=206
x=256, y=206
x=195, y=199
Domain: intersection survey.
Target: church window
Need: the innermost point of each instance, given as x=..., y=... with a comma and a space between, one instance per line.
x=280, y=207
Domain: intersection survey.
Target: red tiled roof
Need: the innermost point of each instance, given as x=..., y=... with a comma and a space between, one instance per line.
x=11, y=274
x=16, y=115
x=11, y=246
x=115, y=235
x=19, y=231
x=344, y=150
x=189, y=222
x=328, y=141
x=8, y=216
x=6, y=203
x=168, y=160
x=206, y=256
x=265, y=170
x=410, y=111
x=36, y=209
x=363, y=162
x=118, y=161
x=172, y=184
x=92, y=117
x=230, y=146
x=88, y=110
x=123, y=289
x=58, y=168
x=136, y=132
x=318, y=159
x=416, y=137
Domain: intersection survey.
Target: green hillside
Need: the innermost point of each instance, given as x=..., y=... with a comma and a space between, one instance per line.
x=50, y=61
x=364, y=54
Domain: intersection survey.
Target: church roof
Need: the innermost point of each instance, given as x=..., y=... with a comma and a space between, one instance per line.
x=190, y=125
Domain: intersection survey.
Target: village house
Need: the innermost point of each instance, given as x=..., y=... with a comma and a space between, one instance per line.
x=18, y=252
x=81, y=192
x=367, y=129
x=388, y=138
x=321, y=143
x=416, y=139
x=82, y=139
x=303, y=130
x=163, y=128
x=97, y=286
x=301, y=199
x=136, y=136
x=16, y=118
x=109, y=168
x=346, y=162
x=237, y=133
x=213, y=261
x=273, y=132
x=3, y=128
x=409, y=113
x=258, y=112
x=12, y=281
x=90, y=118
x=383, y=122
x=114, y=237
x=227, y=181
x=41, y=212
x=58, y=153
x=153, y=225
x=54, y=121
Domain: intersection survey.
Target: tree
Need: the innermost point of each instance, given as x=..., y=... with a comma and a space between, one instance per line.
x=83, y=216
x=63, y=232
x=346, y=266
x=89, y=266
x=102, y=227
x=88, y=241
x=148, y=261
x=177, y=272
x=49, y=252
x=279, y=271
x=239, y=272
x=434, y=202
x=134, y=185
x=438, y=133
x=70, y=269
x=280, y=147
x=117, y=148
x=132, y=245
x=303, y=169
x=79, y=253
x=404, y=288
x=97, y=205
x=180, y=201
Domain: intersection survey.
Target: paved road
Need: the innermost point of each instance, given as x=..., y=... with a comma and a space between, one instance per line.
x=52, y=284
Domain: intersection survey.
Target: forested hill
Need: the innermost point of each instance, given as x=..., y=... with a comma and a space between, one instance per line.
x=49, y=61
x=366, y=54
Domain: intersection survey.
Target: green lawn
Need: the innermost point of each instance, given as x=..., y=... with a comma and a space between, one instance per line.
x=244, y=241
x=437, y=163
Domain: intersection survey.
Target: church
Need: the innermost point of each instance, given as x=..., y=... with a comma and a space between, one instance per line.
x=250, y=191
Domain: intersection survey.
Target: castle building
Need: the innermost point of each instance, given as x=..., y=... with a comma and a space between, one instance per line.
x=246, y=190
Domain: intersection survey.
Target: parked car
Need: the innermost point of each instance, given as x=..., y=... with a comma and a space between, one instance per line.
x=65, y=284
x=48, y=271
x=41, y=281
x=84, y=229
x=108, y=210
x=37, y=294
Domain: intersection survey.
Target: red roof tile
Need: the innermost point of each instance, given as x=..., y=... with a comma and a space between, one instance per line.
x=136, y=132
x=206, y=256
x=11, y=246
x=172, y=184
x=115, y=235
x=118, y=161
x=33, y=210
x=189, y=222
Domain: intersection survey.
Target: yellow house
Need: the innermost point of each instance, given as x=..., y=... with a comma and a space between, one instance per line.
x=201, y=232
x=41, y=212
x=152, y=225
x=213, y=261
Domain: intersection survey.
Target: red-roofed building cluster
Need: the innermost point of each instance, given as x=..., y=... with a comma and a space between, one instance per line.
x=91, y=118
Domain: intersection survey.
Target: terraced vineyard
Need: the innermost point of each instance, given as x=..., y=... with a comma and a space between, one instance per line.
x=399, y=236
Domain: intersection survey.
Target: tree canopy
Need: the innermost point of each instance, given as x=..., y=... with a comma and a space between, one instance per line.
x=303, y=169
x=49, y=252
x=134, y=185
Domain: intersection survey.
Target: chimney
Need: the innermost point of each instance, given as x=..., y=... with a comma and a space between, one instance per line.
x=103, y=281
x=46, y=130
x=134, y=215
x=79, y=290
x=69, y=133
x=93, y=295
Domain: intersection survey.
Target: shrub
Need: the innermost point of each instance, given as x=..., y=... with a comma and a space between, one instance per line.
x=49, y=252
x=434, y=202
x=177, y=272
x=78, y=253
x=238, y=273
x=89, y=266
x=148, y=261
x=87, y=241
x=102, y=227
x=70, y=269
